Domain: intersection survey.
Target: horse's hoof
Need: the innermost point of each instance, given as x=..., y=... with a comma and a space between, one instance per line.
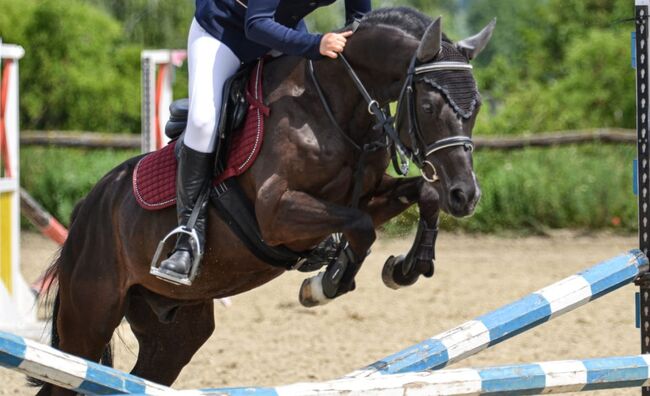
x=311, y=292
x=393, y=273
x=388, y=272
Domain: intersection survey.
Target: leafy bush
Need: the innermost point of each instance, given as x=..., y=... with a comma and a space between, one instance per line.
x=552, y=65
x=588, y=187
x=160, y=23
x=14, y=17
x=571, y=101
x=59, y=177
x=74, y=74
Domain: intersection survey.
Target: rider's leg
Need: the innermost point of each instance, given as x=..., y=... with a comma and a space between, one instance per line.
x=210, y=64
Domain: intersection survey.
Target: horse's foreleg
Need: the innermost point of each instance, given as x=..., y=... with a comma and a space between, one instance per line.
x=403, y=271
x=291, y=217
x=394, y=196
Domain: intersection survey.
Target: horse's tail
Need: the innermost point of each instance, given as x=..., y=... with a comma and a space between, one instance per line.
x=52, y=275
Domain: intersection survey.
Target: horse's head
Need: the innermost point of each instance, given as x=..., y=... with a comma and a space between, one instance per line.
x=437, y=111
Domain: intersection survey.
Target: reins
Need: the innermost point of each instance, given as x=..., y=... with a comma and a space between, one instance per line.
x=366, y=149
x=400, y=153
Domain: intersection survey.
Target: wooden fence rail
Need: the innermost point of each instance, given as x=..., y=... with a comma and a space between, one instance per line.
x=93, y=140
x=549, y=139
x=125, y=141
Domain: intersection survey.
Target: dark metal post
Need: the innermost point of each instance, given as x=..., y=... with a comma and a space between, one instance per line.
x=643, y=164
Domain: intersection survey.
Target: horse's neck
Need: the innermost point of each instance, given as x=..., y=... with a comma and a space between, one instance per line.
x=379, y=71
x=340, y=93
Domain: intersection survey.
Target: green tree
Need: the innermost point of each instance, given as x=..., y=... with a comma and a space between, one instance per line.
x=595, y=90
x=14, y=17
x=75, y=76
x=152, y=23
x=332, y=17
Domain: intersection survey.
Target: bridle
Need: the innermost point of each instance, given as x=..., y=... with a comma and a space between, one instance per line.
x=390, y=138
x=421, y=150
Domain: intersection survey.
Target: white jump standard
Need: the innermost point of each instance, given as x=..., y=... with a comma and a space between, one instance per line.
x=158, y=67
x=17, y=303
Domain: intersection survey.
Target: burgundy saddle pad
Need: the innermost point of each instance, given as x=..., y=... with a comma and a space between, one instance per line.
x=154, y=177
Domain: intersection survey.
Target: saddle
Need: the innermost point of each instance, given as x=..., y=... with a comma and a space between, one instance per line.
x=234, y=109
x=240, y=137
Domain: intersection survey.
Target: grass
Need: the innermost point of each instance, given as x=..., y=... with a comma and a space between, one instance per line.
x=531, y=190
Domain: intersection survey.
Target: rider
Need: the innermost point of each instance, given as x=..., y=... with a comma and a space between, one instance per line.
x=223, y=35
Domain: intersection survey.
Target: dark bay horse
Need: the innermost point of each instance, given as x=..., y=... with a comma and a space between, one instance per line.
x=300, y=185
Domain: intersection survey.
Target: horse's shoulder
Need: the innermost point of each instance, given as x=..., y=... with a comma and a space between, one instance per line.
x=284, y=77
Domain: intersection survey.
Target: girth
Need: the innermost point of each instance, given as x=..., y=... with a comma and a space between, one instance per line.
x=237, y=212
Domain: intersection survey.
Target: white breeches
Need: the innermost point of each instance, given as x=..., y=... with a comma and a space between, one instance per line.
x=210, y=64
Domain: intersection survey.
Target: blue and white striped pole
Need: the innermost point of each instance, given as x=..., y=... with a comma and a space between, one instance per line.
x=527, y=379
x=403, y=373
x=512, y=319
x=71, y=372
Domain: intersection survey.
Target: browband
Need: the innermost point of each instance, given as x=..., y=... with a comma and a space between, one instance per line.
x=450, y=142
x=442, y=66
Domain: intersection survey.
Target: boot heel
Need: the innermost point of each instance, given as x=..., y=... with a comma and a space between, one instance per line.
x=197, y=254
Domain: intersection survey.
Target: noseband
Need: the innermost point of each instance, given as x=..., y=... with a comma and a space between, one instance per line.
x=421, y=150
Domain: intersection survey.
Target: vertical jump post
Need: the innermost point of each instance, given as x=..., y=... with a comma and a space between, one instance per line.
x=642, y=8
x=17, y=303
x=158, y=67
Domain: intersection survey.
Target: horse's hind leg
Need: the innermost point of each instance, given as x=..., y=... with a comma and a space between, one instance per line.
x=88, y=315
x=165, y=348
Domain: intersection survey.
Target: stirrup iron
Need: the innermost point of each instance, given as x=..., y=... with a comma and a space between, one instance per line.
x=196, y=253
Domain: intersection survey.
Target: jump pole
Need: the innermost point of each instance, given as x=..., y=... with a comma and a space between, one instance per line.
x=158, y=67
x=404, y=372
x=71, y=372
x=17, y=303
x=512, y=319
x=527, y=379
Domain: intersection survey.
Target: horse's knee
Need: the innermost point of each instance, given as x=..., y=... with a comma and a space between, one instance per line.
x=361, y=233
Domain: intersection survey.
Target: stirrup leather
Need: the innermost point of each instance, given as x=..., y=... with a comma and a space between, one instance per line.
x=196, y=253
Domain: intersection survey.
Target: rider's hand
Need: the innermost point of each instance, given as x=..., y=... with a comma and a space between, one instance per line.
x=333, y=43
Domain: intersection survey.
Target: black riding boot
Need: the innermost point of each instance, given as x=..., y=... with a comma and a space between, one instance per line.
x=194, y=169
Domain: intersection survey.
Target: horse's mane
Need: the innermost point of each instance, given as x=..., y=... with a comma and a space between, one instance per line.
x=410, y=20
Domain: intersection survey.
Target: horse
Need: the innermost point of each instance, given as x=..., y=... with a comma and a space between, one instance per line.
x=300, y=186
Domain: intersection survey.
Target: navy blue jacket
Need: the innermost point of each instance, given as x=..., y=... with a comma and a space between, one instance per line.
x=250, y=28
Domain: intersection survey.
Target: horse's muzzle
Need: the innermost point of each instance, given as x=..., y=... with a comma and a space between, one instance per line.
x=462, y=198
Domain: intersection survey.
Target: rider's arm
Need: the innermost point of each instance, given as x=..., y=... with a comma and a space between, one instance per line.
x=356, y=9
x=263, y=29
x=302, y=27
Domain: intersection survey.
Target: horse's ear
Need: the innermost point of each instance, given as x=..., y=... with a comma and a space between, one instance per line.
x=472, y=46
x=431, y=42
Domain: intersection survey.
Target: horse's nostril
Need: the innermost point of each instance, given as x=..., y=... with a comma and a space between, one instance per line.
x=458, y=196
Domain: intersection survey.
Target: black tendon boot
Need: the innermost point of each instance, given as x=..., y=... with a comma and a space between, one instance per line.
x=194, y=168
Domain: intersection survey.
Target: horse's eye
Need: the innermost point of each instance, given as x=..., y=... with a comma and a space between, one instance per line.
x=427, y=107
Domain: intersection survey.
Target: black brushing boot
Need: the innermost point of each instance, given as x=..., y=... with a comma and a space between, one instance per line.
x=194, y=170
